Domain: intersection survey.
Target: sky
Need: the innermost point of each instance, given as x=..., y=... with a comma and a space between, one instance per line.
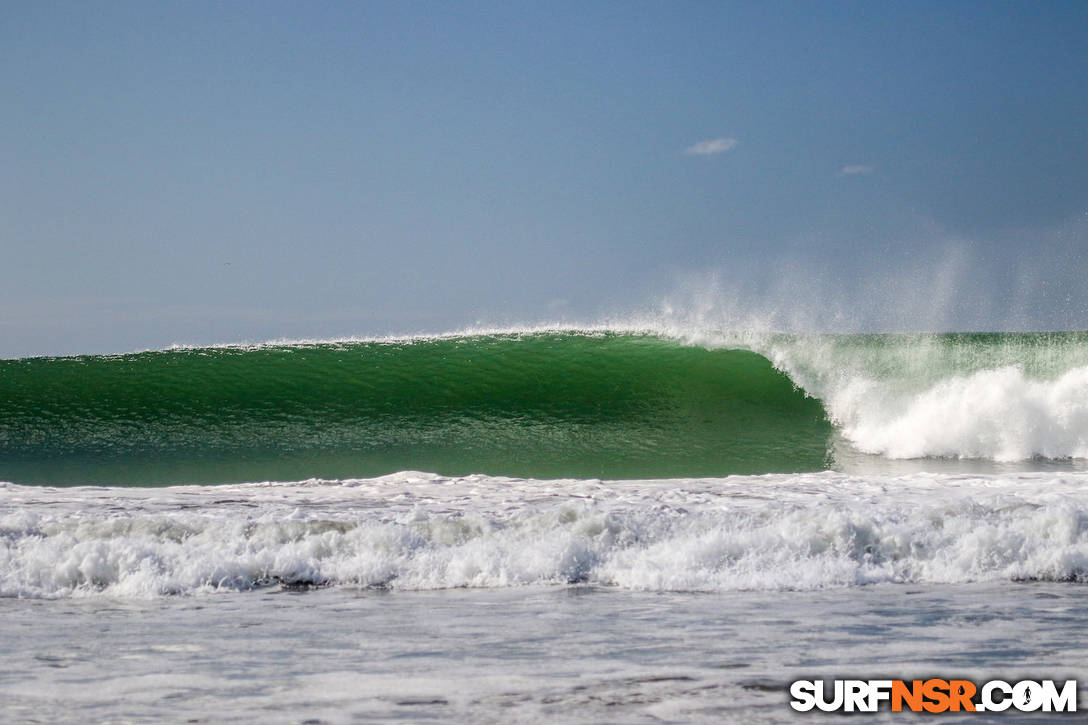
x=191, y=172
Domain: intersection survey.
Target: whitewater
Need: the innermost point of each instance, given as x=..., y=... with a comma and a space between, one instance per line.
x=415, y=531
x=627, y=523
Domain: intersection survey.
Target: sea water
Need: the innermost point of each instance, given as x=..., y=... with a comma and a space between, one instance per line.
x=560, y=653
x=610, y=525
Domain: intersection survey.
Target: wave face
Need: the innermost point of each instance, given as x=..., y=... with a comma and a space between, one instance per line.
x=543, y=404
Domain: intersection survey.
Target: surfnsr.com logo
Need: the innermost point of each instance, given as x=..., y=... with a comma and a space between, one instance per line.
x=934, y=695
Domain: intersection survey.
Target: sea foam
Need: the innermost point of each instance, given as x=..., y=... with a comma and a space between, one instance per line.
x=1000, y=414
x=1009, y=398
x=419, y=531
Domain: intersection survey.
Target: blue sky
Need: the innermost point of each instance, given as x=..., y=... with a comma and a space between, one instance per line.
x=207, y=172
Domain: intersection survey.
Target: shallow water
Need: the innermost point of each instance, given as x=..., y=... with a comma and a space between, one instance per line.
x=524, y=654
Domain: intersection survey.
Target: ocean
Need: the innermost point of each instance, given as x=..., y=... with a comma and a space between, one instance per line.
x=600, y=524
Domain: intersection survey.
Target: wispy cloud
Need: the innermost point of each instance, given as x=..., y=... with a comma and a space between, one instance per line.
x=711, y=147
x=855, y=169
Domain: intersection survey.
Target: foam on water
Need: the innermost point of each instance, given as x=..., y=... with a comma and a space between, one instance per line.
x=996, y=396
x=926, y=400
x=419, y=531
x=1001, y=397
x=1000, y=414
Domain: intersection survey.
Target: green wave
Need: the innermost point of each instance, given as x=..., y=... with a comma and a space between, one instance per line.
x=550, y=404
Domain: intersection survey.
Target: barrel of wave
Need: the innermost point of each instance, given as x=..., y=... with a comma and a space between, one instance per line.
x=543, y=404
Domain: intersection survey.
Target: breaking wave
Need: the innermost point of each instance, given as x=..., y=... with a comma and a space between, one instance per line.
x=420, y=531
x=605, y=403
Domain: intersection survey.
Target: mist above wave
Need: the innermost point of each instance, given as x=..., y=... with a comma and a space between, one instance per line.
x=891, y=377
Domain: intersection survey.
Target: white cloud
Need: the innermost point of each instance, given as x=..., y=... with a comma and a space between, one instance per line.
x=855, y=170
x=711, y=147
